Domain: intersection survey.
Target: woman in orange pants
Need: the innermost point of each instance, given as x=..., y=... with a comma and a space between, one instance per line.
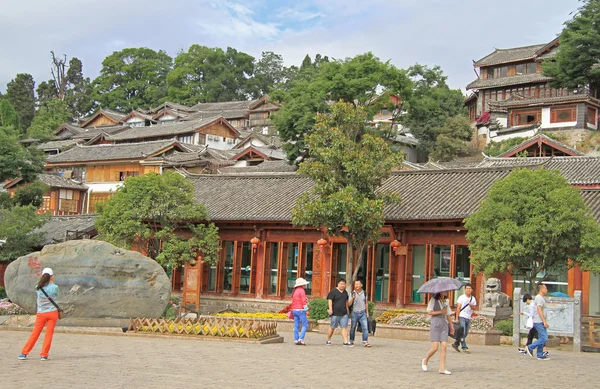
x=47, y=315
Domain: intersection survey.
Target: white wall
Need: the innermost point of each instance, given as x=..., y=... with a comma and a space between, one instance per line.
x=216, y=142
x=546, y=120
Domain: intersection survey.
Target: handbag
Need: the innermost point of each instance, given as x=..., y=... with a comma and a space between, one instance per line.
x=372, y=324
x=529, y=323
x=289, y=314
x=61, y=314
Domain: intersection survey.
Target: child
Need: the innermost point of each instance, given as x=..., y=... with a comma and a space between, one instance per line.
x=528, y=300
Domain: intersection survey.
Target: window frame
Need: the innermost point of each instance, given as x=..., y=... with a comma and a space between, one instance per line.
x=557, y=110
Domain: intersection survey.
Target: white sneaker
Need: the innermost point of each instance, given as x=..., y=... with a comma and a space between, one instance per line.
x=445, y=372
x=423, y=365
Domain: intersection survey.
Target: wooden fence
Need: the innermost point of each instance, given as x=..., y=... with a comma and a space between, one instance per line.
x=226, y=327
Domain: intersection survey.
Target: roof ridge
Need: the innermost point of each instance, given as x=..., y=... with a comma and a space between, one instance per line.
x=456, y=169
x=521, y=47
x=128, y=144
x=249, y=175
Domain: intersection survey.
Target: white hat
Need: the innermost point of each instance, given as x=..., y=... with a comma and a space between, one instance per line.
x=300, y=282
x=47, y=271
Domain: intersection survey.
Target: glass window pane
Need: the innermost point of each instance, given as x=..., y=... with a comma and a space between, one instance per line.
x=228, y=267
x=308, y=268
x=382, y=272
x=418, y=276
x=274, y=268
x=292, y=266
x=245, y=268
x=341, y=261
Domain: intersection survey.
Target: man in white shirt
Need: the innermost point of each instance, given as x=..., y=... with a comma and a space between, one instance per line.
x=540, y=324
x=464, y=309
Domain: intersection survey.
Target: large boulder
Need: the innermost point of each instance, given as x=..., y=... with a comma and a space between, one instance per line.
x=96, y=280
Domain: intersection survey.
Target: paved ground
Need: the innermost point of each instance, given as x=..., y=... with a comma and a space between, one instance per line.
x=105, y=361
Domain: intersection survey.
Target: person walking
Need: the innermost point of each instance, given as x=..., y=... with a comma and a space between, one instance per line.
x=464, y=310
x=530, y=313
x=47, y=315
x=299, y=308
x=441, y=322
x=540, y=324
x=338, y=300
x=360, y=313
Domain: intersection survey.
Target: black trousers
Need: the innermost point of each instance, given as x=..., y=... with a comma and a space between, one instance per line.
x=532, y=334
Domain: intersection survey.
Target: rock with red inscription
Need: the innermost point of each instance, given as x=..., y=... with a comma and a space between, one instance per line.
x=95, y=279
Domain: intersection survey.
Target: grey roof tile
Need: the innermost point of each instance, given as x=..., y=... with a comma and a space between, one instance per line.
x=263, y=167
x=53, y=181
x=527, y=102
x=163, y=130
x=514, y=54
x=505, y=81
x=108, y=152
x=92, y=132
x=58, y=144
x=545, y=138
x=592, y=198
x=56, y=227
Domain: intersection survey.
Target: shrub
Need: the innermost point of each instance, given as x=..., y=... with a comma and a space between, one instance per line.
x=412, y=320
x=390, y=314
x=506, y=326
x=2, y=293
x=318, y=309
x=481, y=323
x=371, y=308
x=257, y=315
x=8, y=308
x=172, y=309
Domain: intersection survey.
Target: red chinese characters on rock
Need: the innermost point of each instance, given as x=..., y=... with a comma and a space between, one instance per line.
x=34, y=267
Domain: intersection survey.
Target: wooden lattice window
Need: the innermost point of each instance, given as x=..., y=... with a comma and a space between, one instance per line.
x=563, y=114
x=523, y=117
x=592, y=116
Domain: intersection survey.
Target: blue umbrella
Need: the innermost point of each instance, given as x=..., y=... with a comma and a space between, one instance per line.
x=440, y=284
x=559, y=294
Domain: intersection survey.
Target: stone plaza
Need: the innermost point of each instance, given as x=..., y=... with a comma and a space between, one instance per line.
x=110, y=359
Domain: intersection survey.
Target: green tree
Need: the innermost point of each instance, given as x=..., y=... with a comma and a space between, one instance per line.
x=533, y=223
x=576, y=63
x=204, y=74
x=79, y=93
x=149, y=210
x=364, y=81
x=48, y=118
x=269, y=73
x=132, y=78
x=428, y=104
x=20, y=93
x=451, y=140
x=45, y=92
x=348, y=166
x=9, y=117
x=18, y=161
x=31, y=194
x=17, y=229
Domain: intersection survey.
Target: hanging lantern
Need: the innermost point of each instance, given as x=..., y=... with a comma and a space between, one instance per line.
x=395, y=244
x=255, y=241
x=321, y=242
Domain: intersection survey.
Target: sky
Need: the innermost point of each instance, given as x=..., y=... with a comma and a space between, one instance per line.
x=448, y=33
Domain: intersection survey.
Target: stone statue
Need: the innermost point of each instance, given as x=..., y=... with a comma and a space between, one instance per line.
x=494, y=297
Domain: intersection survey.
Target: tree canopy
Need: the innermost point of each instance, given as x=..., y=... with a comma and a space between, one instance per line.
x=348, y=166
x=363, y=81
x=578, y=60
x=9, y=117
x=532, y=223
x=132, y=78
x=17, y=225
x=17, y=160
x=204, y=74
x=48, y=118
x=20, y=93
x=149, y=210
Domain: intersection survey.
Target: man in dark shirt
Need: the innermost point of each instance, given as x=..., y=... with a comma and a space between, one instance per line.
x=338, y=311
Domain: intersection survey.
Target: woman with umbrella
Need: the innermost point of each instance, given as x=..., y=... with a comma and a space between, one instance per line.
x=441, y=321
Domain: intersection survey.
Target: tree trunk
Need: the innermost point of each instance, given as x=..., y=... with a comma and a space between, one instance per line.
x=359, y=252
x=349, y=262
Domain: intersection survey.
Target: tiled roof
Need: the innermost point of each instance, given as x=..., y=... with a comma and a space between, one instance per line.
x=247, y=197
x=116, y=116
x=92, y=132
x=505, y=81
x=163, y=130
x=263, y=167
x=546, y=139
x=515, y=54
x=171, y=105
x=108, y=152
x=577, y=170
x=56, y=227
x=224, y=106
x=226, y=114
x=408, y=140
x=273, y=153
x=53, y=181
x=527, y=102
x=592, y=198
x=56, y=181
x=58, y=144
x=71, y=128
x=446, y=194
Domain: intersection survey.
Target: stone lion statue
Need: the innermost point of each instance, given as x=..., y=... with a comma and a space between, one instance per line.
x=494, y=297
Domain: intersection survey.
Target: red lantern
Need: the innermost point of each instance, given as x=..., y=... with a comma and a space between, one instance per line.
x=255, y=241
x=321, y=242
x=395, y=244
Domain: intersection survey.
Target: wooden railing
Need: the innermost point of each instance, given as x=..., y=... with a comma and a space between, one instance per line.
x=226, y=327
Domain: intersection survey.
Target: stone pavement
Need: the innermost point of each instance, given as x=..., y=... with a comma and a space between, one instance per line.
x=129, y=361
